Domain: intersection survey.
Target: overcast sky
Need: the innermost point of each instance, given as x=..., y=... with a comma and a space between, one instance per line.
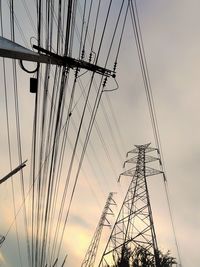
x=171, y=36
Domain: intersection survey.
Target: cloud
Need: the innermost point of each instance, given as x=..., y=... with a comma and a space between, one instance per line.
x=2, y=259
x=171, y=39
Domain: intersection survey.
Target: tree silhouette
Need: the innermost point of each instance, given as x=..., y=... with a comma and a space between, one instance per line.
x=165, y=260
x=141, y=257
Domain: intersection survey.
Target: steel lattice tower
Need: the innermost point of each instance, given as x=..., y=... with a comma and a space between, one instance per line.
x=2, y=238
x=91, y=253
x=134, y=227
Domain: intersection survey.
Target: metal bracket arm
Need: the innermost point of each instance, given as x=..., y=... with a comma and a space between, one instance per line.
x=75, y=63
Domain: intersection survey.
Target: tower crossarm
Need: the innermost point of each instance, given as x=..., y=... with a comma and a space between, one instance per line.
x=148, y=159
x=139, y=147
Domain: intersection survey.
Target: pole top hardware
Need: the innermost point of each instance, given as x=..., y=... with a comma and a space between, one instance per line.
x=76, y=63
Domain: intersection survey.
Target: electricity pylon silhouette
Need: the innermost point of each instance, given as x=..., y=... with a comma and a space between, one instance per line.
x=134, y=227
x=2, y=238
x=91, y=253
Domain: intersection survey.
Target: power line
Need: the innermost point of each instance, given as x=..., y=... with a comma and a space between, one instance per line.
x=150, y=100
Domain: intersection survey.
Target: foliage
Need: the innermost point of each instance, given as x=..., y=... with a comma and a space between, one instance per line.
x=141, y=257
x=165, y=260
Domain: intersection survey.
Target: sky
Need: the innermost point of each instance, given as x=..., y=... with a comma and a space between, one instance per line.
x=171, y=37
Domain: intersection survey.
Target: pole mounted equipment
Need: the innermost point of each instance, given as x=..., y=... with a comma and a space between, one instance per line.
x=134, y=227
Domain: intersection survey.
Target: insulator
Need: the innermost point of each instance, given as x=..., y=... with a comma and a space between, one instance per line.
x=83, y=54
x=105, y=81
x=90, y=57
x=76, y=72
x=115, y=66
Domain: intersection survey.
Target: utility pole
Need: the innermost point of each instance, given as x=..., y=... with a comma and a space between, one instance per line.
x=134, y=227
x=91, y=253
x=10, y=174
x=5, y=178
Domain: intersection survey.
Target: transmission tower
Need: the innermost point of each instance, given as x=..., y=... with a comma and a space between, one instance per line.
x=91, y=253
x=2, y=238
x=134, y=227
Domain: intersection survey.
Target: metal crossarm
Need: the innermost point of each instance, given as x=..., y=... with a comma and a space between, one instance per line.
x=9, y=49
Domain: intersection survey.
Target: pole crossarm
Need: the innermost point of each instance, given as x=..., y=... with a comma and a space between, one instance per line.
x=9, y=49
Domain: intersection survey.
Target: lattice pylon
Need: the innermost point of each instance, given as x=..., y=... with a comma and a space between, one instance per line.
x=2, y=238
x=134, y=227
x=91, y=253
